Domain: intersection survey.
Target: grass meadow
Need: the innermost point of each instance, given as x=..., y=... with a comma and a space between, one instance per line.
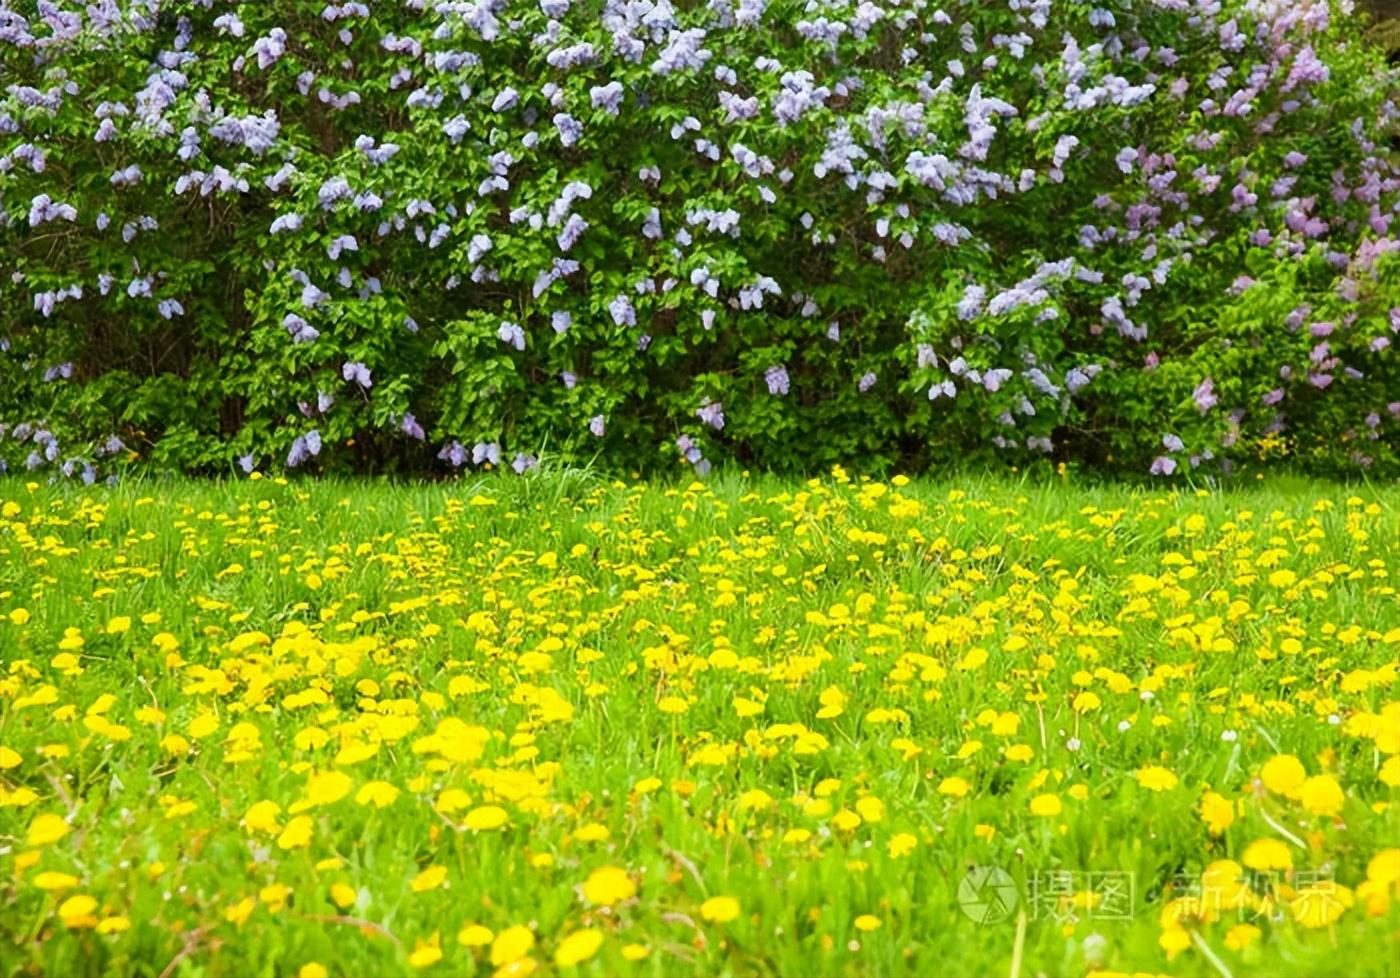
x=565, y=725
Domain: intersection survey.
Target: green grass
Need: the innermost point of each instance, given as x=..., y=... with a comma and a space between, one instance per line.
x=834, y=651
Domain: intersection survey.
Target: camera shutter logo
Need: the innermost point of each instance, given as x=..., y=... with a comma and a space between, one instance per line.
x=987, y=894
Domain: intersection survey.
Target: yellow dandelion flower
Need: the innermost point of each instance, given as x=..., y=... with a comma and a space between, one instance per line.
x=475, y=935
x=846, y=820
x=261, y=816
x=592, y=832
x=427, y=953
x=578, y=946
x=1240, y=936
x=1384, y=867
x=1389, y=773
x=954, y=786
x=46, y=830
x=77, y=911
x=1173, y=941
x=451, y=800
x=1267, y=854
x=902, y=844
x=113, y=925
x=608, y=885
x=1283, y=775
x=1322, y=795
x=486, y=818
x=1217, y=812
x=428, y=879
x=1156, y=778
x=511, y=944
x=870, y=808
x=519, y=968
x=720, y=909
x=297, y=834
x=240, y=912
x=203, y=726
x=1320, y=904
x=327, y=787
x=755, y=799
x=380, y=794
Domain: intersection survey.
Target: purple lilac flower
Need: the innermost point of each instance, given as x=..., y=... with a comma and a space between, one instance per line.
x=512, y=335
x=287, y=222
x=1204, y=395
x=573, y=230
x=623, y=314
x=456, y=128
x=712, y=413
x=341, y=244
x=333, y=191
x=357, y=372
x=454, y=453
x=301, y=331
x=43, y=209
x=776, y=377
x=607, y=97
x=305, y=447
x=570, y=129
x=597, y=426
x=1079, y=377
x=993, y=379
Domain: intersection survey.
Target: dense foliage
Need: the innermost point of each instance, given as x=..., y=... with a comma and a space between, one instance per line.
x=1149, y=235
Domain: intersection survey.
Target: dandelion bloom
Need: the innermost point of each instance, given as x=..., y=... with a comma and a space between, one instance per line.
x=720, y=909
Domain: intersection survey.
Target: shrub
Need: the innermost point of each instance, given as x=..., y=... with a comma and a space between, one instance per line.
x=1141, y=234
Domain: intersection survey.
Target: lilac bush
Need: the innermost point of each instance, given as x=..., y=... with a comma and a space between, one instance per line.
x=1152, y=235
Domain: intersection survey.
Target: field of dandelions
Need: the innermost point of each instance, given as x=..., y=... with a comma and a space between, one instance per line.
x=560, y=725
